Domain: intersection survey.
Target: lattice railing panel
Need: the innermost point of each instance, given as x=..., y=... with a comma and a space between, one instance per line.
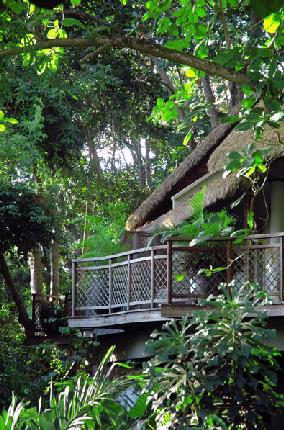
x=140, y=281
x=259, y=262
x=92, y=287
x=259, y=265
x=119, y=285
x=188, y=282
x=160, y=271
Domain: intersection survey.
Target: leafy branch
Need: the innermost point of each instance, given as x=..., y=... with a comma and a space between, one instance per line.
x=141, y=45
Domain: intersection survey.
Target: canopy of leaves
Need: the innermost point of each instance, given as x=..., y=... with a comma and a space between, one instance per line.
x=23, y=219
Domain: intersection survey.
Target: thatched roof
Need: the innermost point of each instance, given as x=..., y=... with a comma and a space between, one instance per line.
x=236, y=141
x=191, y=169
x=219, y=188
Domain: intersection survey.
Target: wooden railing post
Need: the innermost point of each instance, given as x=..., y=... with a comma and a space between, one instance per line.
x=169, y=272
x=74, y=283
x=281, y=269
x=128, y=281
x=110, y=285
x=152, y=277
x=229, y=263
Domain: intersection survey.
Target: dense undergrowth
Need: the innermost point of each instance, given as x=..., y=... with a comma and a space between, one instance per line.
x=216, y=370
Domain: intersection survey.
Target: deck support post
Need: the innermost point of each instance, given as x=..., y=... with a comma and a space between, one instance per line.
x=110, y=285
x=169, y=272
x=281, y=269
x=152, y=277
x=128, y=281
x=74, y=284
x=229, y=264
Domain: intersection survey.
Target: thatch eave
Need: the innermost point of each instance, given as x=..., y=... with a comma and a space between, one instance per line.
x=183, y=175
x=218, y=190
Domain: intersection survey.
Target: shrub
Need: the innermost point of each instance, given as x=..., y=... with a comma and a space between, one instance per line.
x=215, y=370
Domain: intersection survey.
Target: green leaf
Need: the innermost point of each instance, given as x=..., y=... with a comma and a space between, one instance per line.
x=262, y=168
x=202, y=52
x=1, y=115
x=72, y=22
x=177, y=45
x=245, y=125
x=187, y=138
x=12, y=121
x=2, y=127
x=124, y=365
x=138, y=410
x=232, y=166
x=248, y=102
x=180, y=277
x=75, y=3
x=279, y=42
x=250, y=220
x=234, y=155
x=271, y=23
x=196, y=204
x=52, y=34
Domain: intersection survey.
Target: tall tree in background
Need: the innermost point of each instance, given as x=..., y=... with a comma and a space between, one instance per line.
x=226, y=48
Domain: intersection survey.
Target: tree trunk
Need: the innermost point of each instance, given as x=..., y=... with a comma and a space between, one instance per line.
x=164, y=76
x=112, y=161
x=95, y=166
x=236, y=95
x=147, y=164
x=17, y=297
x=210, y=98
x=140, y=167
x=36, y=270
x=54, y=269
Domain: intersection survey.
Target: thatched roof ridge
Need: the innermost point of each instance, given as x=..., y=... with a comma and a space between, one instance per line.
x=176, y=180
x=219, y=188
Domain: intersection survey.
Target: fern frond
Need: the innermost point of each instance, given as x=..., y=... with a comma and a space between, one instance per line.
x=196, y=204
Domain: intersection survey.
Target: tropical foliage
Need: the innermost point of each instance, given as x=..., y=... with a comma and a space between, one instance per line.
x=99, y=102
x=214, y=370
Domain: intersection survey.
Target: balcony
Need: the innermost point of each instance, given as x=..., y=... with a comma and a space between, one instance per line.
x=152, y=284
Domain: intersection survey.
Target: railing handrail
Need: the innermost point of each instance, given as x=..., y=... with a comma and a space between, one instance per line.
x=108, y=257
x=229, y=238
x=174, y=239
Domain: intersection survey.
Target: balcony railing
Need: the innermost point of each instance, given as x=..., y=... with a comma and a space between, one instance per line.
x=148, y=277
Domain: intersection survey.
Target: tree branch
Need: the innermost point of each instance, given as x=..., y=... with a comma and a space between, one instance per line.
x=226, y=32
x=164, y=77
x=214, y=114
x=144, y=46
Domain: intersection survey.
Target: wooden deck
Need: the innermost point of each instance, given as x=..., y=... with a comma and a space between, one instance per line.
x=152, y=284
x=120, y=319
